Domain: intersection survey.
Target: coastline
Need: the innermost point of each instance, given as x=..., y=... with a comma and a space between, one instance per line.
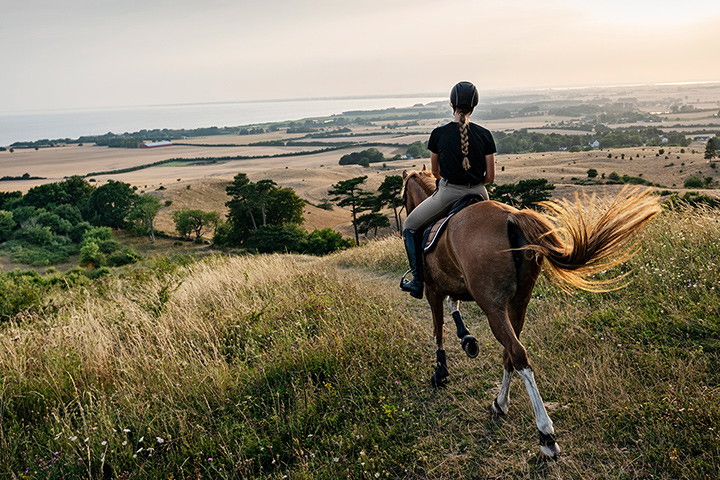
x=74, y=123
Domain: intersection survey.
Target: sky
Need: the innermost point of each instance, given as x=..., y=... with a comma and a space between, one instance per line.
x=64, y=54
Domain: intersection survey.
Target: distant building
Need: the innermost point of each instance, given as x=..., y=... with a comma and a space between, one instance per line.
x=164, y=143
x=594, y=144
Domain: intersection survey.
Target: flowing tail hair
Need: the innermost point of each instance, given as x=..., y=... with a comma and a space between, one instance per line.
x=576, y=240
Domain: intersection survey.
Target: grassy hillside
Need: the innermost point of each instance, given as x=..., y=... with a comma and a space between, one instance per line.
x=274, y=366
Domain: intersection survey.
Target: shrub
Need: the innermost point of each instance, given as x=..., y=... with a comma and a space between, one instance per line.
x=693, y=182
x=123, y=256
x=20, y=292
x=277, y=238
x=36, y=234
x=7, y=224
x=90, y=254
x=78, y=231
x=327, y=240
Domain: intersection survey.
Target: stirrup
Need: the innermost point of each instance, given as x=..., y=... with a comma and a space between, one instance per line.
x=405, y=286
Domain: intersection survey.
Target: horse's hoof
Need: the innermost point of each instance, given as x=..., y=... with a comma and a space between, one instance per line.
x=548, y=446
x=550, y=452
x=470, y=345
x=497, y=410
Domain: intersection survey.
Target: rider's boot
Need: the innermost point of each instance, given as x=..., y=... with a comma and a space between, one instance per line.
x=414, y=253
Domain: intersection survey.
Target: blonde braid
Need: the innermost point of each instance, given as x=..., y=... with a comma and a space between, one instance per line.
x=464, y=140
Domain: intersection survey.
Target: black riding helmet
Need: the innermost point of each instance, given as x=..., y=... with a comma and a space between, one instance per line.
x=464, y=95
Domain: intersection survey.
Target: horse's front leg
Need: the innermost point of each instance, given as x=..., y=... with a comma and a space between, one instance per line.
x=468, y=343
x=436, y=306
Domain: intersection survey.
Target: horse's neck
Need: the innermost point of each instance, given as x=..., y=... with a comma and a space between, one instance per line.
x=421, y=192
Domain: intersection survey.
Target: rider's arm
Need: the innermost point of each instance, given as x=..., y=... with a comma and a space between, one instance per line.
x=489, y=168
x=435, y=165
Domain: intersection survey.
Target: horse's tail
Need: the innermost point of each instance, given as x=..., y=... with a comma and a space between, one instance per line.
x=578, y=239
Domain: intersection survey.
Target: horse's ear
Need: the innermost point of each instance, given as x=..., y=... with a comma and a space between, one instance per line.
x=424, y=168
x=404, y=174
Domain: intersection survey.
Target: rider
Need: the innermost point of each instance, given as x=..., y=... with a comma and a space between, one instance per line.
x=463, y=161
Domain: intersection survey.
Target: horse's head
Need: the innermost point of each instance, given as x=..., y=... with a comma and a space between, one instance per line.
x=418, y=186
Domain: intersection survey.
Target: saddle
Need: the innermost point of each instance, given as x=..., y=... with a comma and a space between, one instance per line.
x=434, y=230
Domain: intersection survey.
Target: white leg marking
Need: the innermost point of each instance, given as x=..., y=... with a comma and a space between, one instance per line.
x=503, y=397
x=439, y=345
x=453, y=305
x=542, y=420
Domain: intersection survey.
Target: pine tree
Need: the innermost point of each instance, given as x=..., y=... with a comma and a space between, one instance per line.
x=711, y=149
x=390, y=190
x=349, y=193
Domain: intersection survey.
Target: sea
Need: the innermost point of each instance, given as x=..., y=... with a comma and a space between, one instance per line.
x=74, y=123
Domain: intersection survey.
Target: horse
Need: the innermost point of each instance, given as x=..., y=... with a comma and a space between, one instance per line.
x=492, y=254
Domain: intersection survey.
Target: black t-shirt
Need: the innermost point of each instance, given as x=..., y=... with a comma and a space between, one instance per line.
x=445, y=141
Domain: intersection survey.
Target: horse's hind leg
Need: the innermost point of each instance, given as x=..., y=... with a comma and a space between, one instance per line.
x=441, y=370
x=504, y=332
x=468, y=343
x=501, y=403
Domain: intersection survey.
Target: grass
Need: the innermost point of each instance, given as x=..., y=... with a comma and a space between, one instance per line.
x=274, y=366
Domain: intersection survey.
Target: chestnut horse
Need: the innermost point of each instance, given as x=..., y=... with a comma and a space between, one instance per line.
x=492, y=253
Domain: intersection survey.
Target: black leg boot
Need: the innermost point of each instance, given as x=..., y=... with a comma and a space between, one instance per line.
x=414, y=253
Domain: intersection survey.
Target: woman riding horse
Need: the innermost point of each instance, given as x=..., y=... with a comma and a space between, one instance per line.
x=492, y=253
x=463, y=160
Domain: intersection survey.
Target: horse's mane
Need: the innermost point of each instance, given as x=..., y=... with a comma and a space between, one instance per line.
x=424, y=178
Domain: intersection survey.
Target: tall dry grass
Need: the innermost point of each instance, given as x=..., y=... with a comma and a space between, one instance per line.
x=273, y=366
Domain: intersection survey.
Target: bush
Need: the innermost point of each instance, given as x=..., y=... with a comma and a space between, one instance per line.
x=57, y=224
x=122, y=257
x=90, y=254
x=327, y=240
x=693, y=182
x=77, y=232
x=36, y=235
x=7, y=225
x=98, y=234
x=277, y=238
x=20, y=292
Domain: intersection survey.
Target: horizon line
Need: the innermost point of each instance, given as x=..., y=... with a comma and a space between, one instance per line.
x=361, y=97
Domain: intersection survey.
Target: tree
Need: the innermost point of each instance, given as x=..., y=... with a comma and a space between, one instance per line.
x=373, y=155
x=418, y=150
x=349, y=193
x=371, y=221
x=592, y=173
x=9, y=200
x=74, y=191
x=390, y=190
x=189, y=221
x=523, y=195
x=143, y=213
x=285, y=207
x=253, y=205
x=711, y=148
x=110, y=204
